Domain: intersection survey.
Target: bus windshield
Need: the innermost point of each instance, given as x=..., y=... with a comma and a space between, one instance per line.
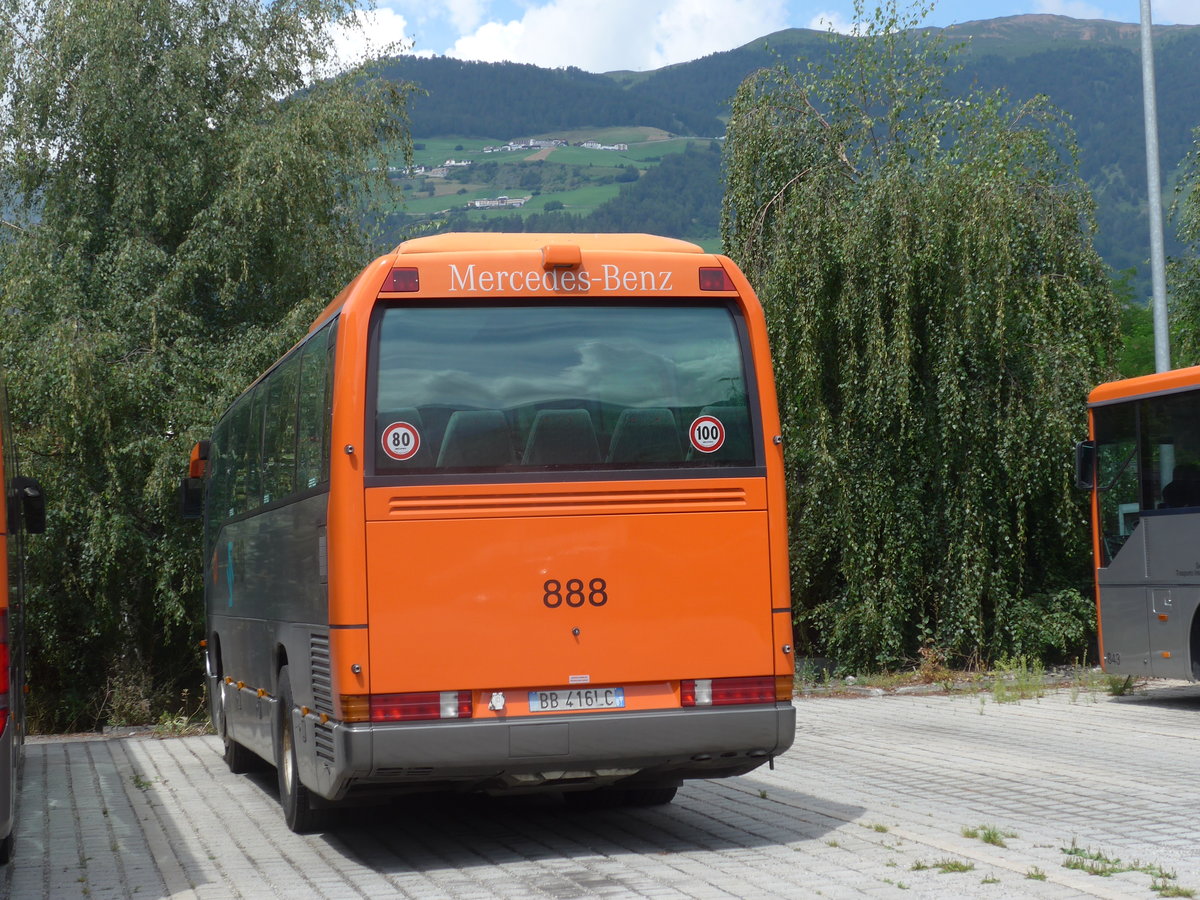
x=488, y=388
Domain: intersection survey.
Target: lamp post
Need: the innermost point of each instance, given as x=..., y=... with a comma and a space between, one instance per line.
x=1158, y=268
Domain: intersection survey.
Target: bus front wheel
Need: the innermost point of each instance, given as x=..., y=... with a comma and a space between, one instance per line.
x=299, y=811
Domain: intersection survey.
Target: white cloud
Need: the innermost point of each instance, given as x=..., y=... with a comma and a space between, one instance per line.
x=831, y=21
x=464, y=15
x=621, y=34
x=369, y=34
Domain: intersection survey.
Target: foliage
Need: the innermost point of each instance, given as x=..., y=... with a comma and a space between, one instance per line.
x=1137, y=328
x=938, y=316
x=1183, y=272
x=181, y=194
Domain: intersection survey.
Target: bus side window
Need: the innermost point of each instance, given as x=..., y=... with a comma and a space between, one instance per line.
x=239, y=432
x=220, y=480
x=279, y=431
x=331, y=331
x=252, y=448
x=1117, y=475
x=312, y=419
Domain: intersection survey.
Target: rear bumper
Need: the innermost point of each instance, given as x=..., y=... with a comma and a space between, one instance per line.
x=547, y=752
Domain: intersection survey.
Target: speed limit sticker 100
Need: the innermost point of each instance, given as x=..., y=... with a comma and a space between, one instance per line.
x=401, y=441
x=707, y=434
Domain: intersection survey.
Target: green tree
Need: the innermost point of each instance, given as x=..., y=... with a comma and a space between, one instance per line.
x=1136, y=356
x=938, y=315
x=1183, y=272
x=185, y=183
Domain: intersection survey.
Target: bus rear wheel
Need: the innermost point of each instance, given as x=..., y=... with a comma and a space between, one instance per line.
x=299, y=810
x=237, y=758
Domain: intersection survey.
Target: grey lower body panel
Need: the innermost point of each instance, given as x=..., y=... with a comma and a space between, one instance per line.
x=582, y=750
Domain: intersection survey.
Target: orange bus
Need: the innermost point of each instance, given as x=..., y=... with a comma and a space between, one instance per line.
x=1142, y=465
x=510, y=518
x=22, y=510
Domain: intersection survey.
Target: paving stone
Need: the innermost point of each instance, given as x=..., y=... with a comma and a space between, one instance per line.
x=874, y=795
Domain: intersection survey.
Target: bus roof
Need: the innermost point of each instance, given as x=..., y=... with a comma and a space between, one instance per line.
x=1146, y=386
x=474, y=241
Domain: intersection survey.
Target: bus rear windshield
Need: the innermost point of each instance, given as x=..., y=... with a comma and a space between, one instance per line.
x=535, y=387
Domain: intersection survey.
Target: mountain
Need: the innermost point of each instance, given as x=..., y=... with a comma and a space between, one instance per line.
x=1089, y=69
x=505, y=100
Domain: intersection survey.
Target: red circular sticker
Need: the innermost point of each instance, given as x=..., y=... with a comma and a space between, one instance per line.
x=707, y=434
x=401, y=441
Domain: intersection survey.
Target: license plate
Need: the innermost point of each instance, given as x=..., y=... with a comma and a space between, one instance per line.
x=577, y=698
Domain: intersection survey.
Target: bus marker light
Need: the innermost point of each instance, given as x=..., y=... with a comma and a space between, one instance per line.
x=241, y=684
x=261, y=692
x=401, y=281
x=304, y=710
x=715, y=279
x=356, y=708
x=1166, y=654
x=784, y=685
x=561, y=256
x=1162, y=617
x=198, y=461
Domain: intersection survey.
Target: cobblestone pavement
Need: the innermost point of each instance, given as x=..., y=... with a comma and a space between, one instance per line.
x=872, y=800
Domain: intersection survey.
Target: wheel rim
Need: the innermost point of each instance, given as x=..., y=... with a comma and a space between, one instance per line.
x=286, y=764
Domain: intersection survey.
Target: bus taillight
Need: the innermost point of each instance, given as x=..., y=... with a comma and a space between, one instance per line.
x=401, y=281
x=422, y=705
x=727, y=691
x=715, y=279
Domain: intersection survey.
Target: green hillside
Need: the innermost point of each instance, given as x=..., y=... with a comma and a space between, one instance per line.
x=1090, y=69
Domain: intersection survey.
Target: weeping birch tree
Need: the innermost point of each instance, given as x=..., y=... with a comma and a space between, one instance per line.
x=1184, y=272
x=185, y=184
x=938, y=315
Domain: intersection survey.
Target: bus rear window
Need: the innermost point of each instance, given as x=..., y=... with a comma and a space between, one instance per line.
x=535, y=387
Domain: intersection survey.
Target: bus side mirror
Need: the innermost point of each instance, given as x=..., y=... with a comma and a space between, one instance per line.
x=33, y=503
x=191, y=498
x=191, y=488
x=1085, y=465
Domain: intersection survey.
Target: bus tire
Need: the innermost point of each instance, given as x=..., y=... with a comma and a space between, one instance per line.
x=237, y=758
x=299, y=811
x=6, y=849
x=650, y=796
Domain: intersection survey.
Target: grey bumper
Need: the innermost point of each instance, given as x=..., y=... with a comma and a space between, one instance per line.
x=556, y=751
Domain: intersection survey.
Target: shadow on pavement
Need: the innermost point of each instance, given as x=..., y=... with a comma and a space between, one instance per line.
x=418, y=834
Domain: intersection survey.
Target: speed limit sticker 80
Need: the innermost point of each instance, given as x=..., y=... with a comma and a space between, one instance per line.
x=401, y=441
x=707, y=434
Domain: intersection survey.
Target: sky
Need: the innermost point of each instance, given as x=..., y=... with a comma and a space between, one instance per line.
x=609, y=35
